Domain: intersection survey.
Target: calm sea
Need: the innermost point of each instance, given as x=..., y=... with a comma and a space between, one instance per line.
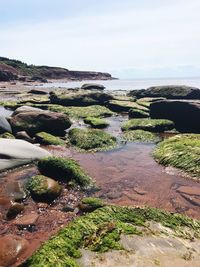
x=131, y=84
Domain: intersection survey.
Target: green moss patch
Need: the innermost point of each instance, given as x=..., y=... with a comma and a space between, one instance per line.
x=140, y=136
x=91, y=139
x=82, y=112
x=180, y=151
x=100, y=231
x=124, y=106
x=7, y=135
x=96, y=122
x=152, y=125
x=64, y=169
x=49, y=139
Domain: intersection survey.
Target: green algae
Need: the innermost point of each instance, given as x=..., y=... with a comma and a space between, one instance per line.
x=96, y=122
x=152, y=125
x=49, y=139
x=91, y=139
x=82, y=112
x=140, y=136
x=100, y=231
x=93, y=202
x=182, y=152
x=64, y=169
x=7, y=135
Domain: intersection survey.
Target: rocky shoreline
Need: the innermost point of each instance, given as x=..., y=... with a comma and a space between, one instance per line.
x=60, y=148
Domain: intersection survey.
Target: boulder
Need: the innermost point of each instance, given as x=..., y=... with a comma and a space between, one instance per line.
x=11, y=247
x=168, y=91
x=40, y=121
x=25, y=109
x=185, y=114
x=80, y=99
x=4, y=125
x=38, y=92
x=15, y=152
x=92, y=86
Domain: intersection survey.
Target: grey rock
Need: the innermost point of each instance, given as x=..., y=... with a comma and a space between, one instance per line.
x=14, y=153
x=4, y=125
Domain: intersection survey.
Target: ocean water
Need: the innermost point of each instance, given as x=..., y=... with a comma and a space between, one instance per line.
x=131, y=84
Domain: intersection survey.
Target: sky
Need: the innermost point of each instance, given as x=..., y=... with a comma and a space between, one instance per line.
x=127, y=38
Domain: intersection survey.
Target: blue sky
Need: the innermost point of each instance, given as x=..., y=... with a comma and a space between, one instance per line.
x=129, y=38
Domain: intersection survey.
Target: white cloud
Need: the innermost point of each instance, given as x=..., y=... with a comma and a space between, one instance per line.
x=145, y=38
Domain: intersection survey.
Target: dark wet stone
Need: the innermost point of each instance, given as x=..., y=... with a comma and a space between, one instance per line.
x=14, y=209
x=68, y=208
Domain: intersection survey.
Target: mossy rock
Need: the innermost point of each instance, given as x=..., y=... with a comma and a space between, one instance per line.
x=89, y=204
x=124, y=106
x=7, y=135
x=96, y=122
x=180, y=151
x=80, y=98
x=101, y=230
x=49, y=139
x=140, y=136
x=43, y=188
x=82, y=112
x=138, y=113
x=64, y=169
x=91, y=139
x=152, y=125
x=168, y=91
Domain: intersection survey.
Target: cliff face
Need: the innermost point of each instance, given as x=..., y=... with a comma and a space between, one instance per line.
x=13, y=69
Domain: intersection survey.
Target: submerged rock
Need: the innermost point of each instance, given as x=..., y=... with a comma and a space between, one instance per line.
x=15, y=152
x=14, y=209
x=11, y=247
